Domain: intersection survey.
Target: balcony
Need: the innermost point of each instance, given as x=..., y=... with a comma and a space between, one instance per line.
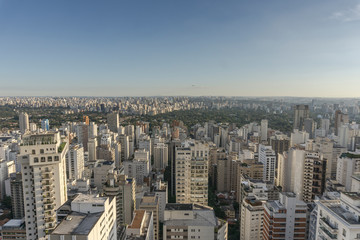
x=325, y=223
x=328, y=233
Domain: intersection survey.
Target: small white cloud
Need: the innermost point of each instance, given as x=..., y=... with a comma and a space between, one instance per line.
x=348, y=15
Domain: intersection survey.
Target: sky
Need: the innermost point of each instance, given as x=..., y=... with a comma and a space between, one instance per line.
x=180, y=47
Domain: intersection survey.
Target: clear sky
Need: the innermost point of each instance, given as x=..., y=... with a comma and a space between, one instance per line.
x=180, y=47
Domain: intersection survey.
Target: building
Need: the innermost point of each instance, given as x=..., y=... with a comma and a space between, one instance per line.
x=264, y=130
x=113, y=121
x=339, y=219
x=161, y=191
x=139, y=167
x=75, y=162
x=17, y=197
x=141, y=227
x=285, y=218
x=268, y=158
x=192, y=173
x=100, y=172
x=309, y=127
x=123, y=188
x=45, y=125
x=92, y=144
x=347, y=164
x=150, y=202
x=161, y=156
x=82, y=134
x=24, y=122
x=91, y=218
x=280, y=143
x=14, y=229
x=314, y=176
x=6, y=168
x=251, y=218
x=301, y=112
x=193, y=221
x=43, y=160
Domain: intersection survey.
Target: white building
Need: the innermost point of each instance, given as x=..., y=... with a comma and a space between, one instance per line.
x=347, y=165
x=6, y=168
x=92, y=218
x=298, y=137
x=191, y=163
x=268, y=158
x=75, y=162
x=192, y=221
x=339, y=219
x=141, y=227
x=161, y=191
x=42, y=158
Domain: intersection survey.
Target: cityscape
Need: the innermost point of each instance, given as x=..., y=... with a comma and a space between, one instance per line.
x=179, y=120
x=128, y=168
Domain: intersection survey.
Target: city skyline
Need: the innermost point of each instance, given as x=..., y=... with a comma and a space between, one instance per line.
x=202, y=48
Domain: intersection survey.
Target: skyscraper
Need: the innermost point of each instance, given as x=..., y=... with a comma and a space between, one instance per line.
x=301, y=112
x=42, y=158
x=192, y=173
x=24, y=122
x=113, y=122
x=45, y=124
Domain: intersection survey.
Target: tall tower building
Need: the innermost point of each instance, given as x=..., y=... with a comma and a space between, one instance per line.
x=113, y=121
x=160, y=156
x=285, y=218
x=17, y=197
x=123, y=188
x=24, y=122
x=75, y=162
x=45, y=125
x=42, y=158
x=192, y=173
x=268, y=158
x=264, y=130
x=301, y=112
x=150, y=202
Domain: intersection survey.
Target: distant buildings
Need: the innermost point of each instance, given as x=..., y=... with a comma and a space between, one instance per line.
x=301, y=112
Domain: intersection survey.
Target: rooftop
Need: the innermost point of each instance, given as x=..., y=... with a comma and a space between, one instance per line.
x=138, y=218
x=77, y=224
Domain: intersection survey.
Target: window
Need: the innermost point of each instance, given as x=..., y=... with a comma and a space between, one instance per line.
x=41, y=150
x=42, y=159
x=33, y=151
x=36, y=160
x=344, y=233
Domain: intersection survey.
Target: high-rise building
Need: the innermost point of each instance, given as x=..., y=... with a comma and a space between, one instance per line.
x=113, y=121
x=193, y=221
x=24, y=122
x=17, y=196
x=264, y=130
x=150, y=202
x=251, y=218
x=123, y=188
x=192, y=173
x=285, y=218
x=141, y=227
x=340, y=119
x=161, y=191
x=280, y=143
x=75, y=162
x=45, y=125
x=309, y=127
x=93, y=131
x=86, y=120
x=339, y=219
x=82, y=134
x=91, y=218
x=268, y=158
x=92, y=144
x=161, y=156
x=43, y=160
x=301, y=112
x=347, y=164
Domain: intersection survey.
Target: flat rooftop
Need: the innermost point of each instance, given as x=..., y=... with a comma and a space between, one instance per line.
x=138, y=218
x=77, y=223
x=85, y=198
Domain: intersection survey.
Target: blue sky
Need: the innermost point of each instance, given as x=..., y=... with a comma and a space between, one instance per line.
x=187, y=47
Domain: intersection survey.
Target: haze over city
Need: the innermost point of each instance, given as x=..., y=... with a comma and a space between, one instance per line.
x=192, y=48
